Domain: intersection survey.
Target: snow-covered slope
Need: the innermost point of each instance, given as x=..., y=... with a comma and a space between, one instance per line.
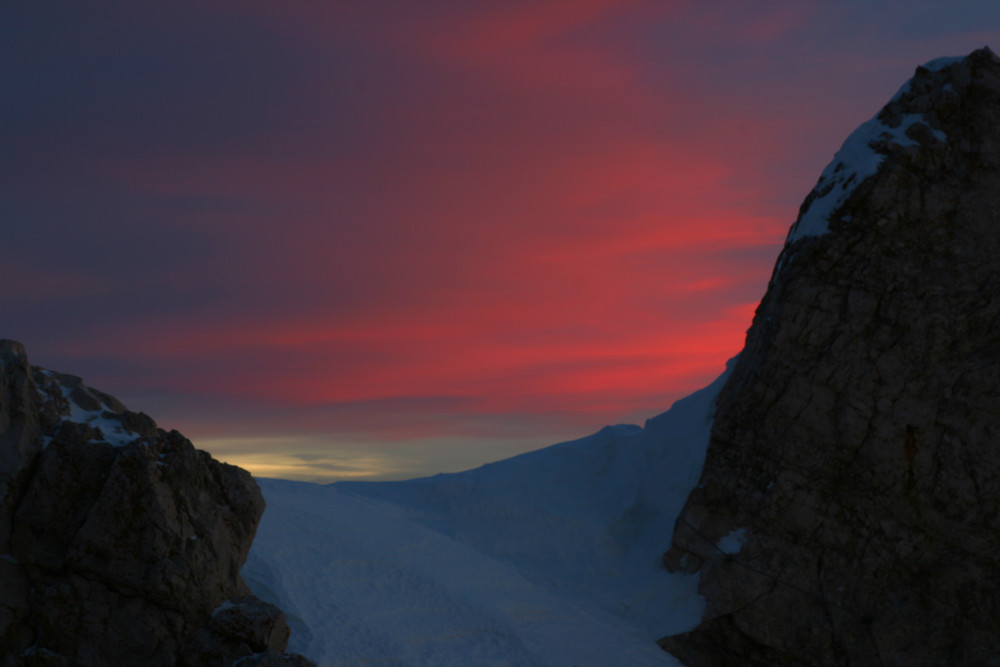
x=548, y=558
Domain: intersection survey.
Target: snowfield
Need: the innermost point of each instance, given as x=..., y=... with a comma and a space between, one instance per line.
x=548, y=558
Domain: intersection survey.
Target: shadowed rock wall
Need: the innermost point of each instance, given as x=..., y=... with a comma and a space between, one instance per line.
x=120, y=543
x=849, y=508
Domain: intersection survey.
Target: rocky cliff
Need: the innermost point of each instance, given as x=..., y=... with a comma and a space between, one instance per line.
x=849, y=509
x=120, y=543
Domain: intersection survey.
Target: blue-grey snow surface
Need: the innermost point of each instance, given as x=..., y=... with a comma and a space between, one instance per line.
x=548, y=558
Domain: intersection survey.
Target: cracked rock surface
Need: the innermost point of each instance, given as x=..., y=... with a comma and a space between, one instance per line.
x=857, y=442
x=120, y=543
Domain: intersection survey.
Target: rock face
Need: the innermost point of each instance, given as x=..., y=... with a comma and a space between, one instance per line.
x=849, y=508
x=120, y=543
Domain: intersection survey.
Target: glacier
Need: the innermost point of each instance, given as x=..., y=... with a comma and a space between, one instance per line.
x=552, y=557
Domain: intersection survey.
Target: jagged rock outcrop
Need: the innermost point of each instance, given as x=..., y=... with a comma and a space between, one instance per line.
x=849, y=508
x=120, y=543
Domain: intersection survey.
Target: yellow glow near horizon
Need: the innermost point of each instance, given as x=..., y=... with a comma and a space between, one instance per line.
x=322, y=459
x=302, y=459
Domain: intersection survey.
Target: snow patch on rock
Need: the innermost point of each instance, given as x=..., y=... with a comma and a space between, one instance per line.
x=107, y=419
x=733, y=542
x=859, y=158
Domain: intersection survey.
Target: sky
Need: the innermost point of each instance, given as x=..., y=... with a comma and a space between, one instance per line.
x=376, y=240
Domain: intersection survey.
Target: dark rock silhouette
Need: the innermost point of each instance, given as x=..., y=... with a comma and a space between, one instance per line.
x=849, y=509
x=120, y=543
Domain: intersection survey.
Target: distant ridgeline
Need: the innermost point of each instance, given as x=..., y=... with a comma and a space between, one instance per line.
x=849, y=509
x=120, y=543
